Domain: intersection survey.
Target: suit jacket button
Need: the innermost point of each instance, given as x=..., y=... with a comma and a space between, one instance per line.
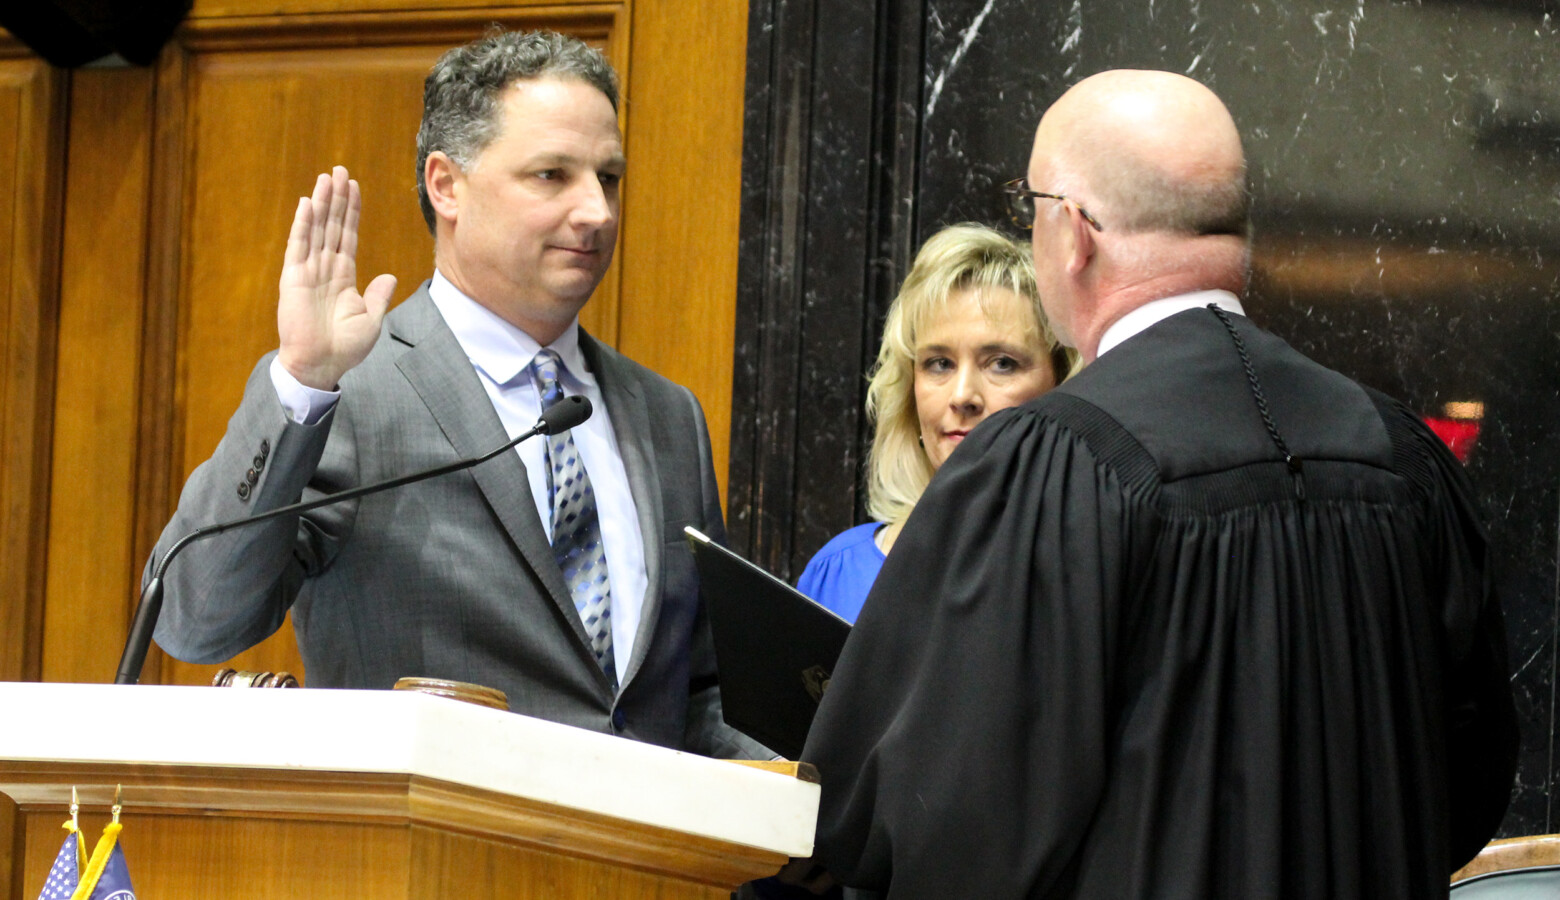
x=265, y=447
x=243, y=490
x=251, y=476
x=619, y=719
x=259, y=462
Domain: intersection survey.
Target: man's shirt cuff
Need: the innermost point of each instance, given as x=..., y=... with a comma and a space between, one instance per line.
x=303, y=404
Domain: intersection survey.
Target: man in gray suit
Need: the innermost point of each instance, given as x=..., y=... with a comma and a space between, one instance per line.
x=494, y=575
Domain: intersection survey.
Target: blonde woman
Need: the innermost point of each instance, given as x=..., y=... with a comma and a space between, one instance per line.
x=965, y=337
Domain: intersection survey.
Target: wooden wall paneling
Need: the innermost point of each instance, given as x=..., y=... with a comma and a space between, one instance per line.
x=258, y=859
x=92, y=566
x=155, y=412
x=269, y=855
x=249, y=111
x=442, y=864
x=682, y=199
x=32, y=135
x=32, y=138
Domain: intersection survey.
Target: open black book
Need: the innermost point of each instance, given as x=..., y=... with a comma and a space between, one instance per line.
x=774, y=646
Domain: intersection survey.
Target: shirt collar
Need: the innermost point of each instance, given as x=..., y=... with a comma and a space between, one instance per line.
x=1156, y=311
x=497, y=348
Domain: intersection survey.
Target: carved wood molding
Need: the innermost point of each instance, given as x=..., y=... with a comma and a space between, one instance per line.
x=591, y=22
x=1512, y=853
x=594, y=22
x=12, y=48
x=588, y=835
x=386, y=799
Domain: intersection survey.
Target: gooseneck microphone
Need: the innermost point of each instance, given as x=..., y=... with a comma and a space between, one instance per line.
x=561, y=416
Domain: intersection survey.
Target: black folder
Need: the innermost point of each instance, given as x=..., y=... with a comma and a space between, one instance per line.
x=775, y=647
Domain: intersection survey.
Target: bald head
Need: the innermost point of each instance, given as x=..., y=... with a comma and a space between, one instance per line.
x=1153, y=151
x=1156, y=160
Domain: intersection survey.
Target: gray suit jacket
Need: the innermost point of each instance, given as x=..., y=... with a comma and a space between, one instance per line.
x=451, y=577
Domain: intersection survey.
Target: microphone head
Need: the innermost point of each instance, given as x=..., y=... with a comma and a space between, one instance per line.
x=565, y=414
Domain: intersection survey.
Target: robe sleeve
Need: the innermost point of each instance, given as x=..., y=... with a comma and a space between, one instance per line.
x=963, y=740
x=1482, y=739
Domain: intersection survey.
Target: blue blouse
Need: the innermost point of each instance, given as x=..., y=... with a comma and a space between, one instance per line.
x=839, y=575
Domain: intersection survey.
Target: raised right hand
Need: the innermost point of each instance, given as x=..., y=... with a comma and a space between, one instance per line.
x=326, y=326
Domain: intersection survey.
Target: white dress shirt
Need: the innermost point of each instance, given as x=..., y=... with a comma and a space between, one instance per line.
x=1155, y=311
x=501, y=354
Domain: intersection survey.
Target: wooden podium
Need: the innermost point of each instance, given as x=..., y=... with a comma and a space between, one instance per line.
x=239, y=794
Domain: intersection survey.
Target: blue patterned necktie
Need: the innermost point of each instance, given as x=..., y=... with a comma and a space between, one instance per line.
x=576, y=526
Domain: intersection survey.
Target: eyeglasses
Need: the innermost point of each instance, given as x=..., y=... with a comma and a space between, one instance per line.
x=1021, y=204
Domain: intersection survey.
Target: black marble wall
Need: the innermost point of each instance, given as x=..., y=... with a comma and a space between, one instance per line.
x=1405, y=163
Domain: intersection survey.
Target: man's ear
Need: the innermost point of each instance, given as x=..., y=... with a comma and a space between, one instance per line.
x=445, y=183
x=1081, y=234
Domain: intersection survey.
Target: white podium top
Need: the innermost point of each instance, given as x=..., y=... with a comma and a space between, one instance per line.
x=401, y=732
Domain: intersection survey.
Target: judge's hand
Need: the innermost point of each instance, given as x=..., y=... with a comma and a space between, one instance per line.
x=326, y=326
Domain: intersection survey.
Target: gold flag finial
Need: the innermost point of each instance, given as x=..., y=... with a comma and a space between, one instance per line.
x=75, y=810
x=119, y=792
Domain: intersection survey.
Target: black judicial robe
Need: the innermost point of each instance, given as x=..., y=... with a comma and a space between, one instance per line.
x=1114, y=654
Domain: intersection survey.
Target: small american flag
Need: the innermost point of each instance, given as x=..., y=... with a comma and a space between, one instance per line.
x=61, y=882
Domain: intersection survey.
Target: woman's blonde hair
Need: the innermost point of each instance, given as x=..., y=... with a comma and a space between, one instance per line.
x=957, y=258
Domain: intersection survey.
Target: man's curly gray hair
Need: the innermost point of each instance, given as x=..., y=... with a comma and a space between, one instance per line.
x=461, y=96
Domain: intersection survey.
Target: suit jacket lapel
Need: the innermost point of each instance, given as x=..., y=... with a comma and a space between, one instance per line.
x=631, y=426
x=443, y=377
